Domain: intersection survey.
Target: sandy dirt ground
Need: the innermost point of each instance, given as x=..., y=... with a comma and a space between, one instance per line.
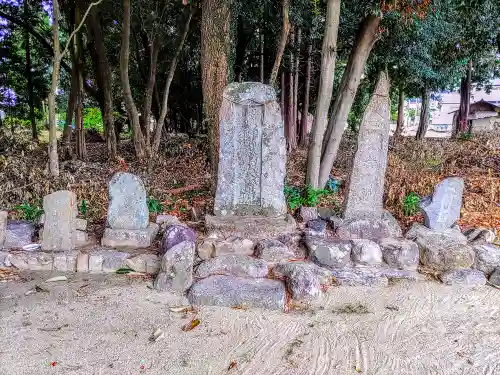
x=102, y=325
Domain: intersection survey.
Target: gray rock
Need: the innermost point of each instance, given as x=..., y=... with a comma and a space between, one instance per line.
x=175, y=234
x=233, y=291
x=234, y=245
x=59, y=229
x=273, y=251
x=3, y=227
x=176, y=273
x=480, y=236
x=487, y=258
x=359, y=277
x=393, y=224
x=33, y=261
x=127, y=202
x=5, y=259
x=418, y=231
x=19, y=233
x=326, y=213
x=329, y=252
x=81, y=224
x=232, y=265
x=82, y=262
x=307, y=214
x=252, y=152
x=292, y=239
x=206, y=249
x=369, y=229
x=146, y=263
x=366, y=182
x=495, y=277
x=442, y=210
x=114, y=260
x=399, y=253
x=463, y=276
x=304, y=280
x=366, y=252
x=165, y=220
x=335, y=222
x=130, y=238
x=65, y=261
x=317, y=227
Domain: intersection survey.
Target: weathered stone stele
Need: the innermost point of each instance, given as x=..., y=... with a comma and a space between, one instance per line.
x=3, y=227
x=59, y=231
x=366, y=184
x=128, y=208
x=442, y=210
x=252, y=152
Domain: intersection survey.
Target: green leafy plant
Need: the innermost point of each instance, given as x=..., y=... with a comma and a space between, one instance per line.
x=308, y=196
x=30, y=212
x=464, y=136
x=82, y=208
x=311, y=196
x=410, y=204
x=293, y=196
x=154, y=205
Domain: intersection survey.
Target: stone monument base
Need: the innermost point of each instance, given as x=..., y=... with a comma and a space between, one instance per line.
x=130, y=238
x=251, y=227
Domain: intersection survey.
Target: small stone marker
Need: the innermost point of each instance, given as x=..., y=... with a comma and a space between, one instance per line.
x=366, y=184
x=59, y=230
x=19, y=233
x=128, y=208
x=252, y=161
x=3, y=227
x=176, y=273
x=442, y=210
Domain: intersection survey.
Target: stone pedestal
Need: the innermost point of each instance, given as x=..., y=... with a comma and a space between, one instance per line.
x=130, y=238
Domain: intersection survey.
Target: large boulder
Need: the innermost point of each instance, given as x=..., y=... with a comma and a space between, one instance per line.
x=479, y=236
x=400, y=253
x=393, y=224
x=273, y=251
x=442, y=210
x=175, y=234
x=251, y=173
x=333, y=253
x=487, y=258
x=128, y=207
x=370, y=229
x=366, y=252
x=495, y=277
x=18, y=233
x=463, y=276
x=232, y=265
x=418, y=231
x=233, y=291
x=304, y=280
x=176, y=273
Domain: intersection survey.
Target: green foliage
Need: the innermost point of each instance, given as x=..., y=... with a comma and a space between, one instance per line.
x=82, y=208
x=297, y=197
x=410, y=204
x=92, y=119
x=154, y=205
x=15, y=122
x=30, y=212
x=465, y=136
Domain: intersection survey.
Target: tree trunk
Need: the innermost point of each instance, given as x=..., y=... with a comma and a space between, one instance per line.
x=29, y=76
x=401, y=114
x=296, y=85
x=351, y=78
x=283, y=101
x=328, y=57
x=53, y=156
x=262, y=56
x=215, y=45
x=424, y=115
x=133, y=115
x=104, y=77
x=292, y=132
x=284, y=37
x=305, y=101
x=148, y=98
x=160, y=124
x=81, y=149
x=463, y=113
x=68, y=129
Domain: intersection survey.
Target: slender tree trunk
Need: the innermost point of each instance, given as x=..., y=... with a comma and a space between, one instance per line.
x=29, y=76
x=305, y=102
x=292, y=132
x=104, y=81
x=215, y=46
x=262, y=56
x=465, y=89
x=424, y=115
x=284, y=37
x=328, y=57
x=148, y=99
x=133, y=115
x=68, y=129
x=81, y=149
x=401, y=114
x=166, y=92
x=283, y=101
x=351, y=78
x=296, y=84
x=53, y=156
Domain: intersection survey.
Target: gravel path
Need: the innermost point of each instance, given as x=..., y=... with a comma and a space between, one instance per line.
x=102, y=325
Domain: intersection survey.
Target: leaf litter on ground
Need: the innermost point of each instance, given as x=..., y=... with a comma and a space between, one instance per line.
x=191, y=325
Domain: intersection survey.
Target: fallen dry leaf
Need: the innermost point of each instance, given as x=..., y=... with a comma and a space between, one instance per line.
x=232, y=365
x=191, y=325
x=183, y=309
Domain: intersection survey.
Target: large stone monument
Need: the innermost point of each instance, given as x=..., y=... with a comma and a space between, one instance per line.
x=252, y=162
x=60, y=226
x=366, y=184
